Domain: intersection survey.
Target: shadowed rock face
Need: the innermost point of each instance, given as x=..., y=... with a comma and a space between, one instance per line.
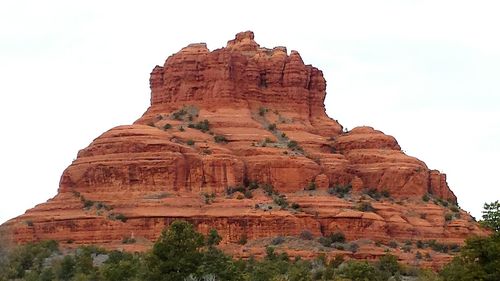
x=232, y=117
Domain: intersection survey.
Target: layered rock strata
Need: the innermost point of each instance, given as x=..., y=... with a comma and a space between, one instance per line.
x=247, y=119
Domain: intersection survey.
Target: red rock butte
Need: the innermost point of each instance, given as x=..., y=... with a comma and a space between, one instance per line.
x=223, y=129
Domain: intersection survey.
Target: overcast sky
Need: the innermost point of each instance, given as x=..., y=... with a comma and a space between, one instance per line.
x=426, y=72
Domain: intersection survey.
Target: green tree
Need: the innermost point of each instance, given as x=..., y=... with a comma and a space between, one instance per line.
x=358, y=271
x=491, y=216
x=176, y=254
x=388, y=263
x=213, y=238
x=479, y=260
x=121, y=266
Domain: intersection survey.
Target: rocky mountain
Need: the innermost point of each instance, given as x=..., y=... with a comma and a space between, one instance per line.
x=237, y=139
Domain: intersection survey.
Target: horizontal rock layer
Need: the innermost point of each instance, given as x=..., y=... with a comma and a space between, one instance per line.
x=232, y=117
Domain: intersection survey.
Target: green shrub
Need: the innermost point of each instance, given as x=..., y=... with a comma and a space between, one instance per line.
x=243, y=239
x=385, y=193
x=203, y=126
x=406, y=248
x=293, y=145
x=311, y=186
x=179, y=115
x=295, y=206
x=271, y=127
x=388, y=263
x=340, y=190
x=306, y=235
x=365, y=207
x=393, y=244
x=337, y=236
x=128, y=240
x=262, y=111
x=426, y=197
x=420, y=244
x=121, y=217
x=167, y=126
x=281, y=201
x=190, y=142
x=277, y=240
x=448, y=217
x=248, y=194
x=220, y=139
x=268, y=189
x=87, y=204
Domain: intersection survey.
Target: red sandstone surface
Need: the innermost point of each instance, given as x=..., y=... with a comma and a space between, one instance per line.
x=266, y=124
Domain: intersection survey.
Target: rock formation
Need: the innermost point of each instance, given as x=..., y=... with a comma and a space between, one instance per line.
x=237, y=139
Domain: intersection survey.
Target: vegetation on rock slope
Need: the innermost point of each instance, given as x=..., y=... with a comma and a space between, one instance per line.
x=181, y=253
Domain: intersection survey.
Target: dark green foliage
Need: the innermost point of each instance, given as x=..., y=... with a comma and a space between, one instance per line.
x=306, y=235
x=359, y=271
x=101, y=205
x=418, y=255
x=353, y=247
x=268, y=189
x=203, y=126
x=375, y=194
x=243, y=239
x=87, y=204
x=393, y=244
x=190, y=142
x=281, y=201
x=340, y=190
x=181, y=252
x=248, y=194
x=491, y=216
x=438, y=247
x=128, y=240
x=311, y=186
x=167, y=126
x=122, y=266
x=365, y=207
x=479, y=260
x=213, y=238
x=334, y=237
x=426, y=197
x=388, y=263
x=220, y=139
x=208, y=198
x=120, y=217
x=277, y=240
x=294, y=145
x=262, y=111
x=420, y=244
x=448, y=217
x=29, y=257
x=295, y=206
x=232, y=189
x=179, y=115
x=455, y=209
x=271, y=127
x=385, y=193
x=176, y=254
x=406, y=248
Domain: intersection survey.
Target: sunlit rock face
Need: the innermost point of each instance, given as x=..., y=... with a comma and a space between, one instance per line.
x=243, y=118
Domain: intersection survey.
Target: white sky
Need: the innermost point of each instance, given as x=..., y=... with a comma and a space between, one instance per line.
x=426, y=72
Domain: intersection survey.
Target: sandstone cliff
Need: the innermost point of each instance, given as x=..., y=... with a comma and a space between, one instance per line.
x=237, y=139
